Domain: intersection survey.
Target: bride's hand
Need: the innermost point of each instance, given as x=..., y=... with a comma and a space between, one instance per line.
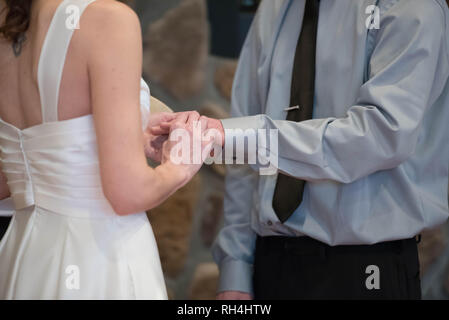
x=163, y=127
x=153, y=142
x=187, y=146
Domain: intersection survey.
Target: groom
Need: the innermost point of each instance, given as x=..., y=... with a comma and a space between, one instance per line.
x=360, y=103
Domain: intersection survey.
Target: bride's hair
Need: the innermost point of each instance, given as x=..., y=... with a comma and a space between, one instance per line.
x=17, y=19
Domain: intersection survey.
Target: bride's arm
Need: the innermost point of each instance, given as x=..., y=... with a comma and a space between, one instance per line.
x=113, y=40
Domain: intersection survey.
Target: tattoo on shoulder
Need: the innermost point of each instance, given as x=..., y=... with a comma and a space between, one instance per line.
x=17, y=46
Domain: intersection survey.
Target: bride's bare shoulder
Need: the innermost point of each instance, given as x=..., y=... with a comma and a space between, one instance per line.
x=107, y=21
x=101, y=16
x=104, y=14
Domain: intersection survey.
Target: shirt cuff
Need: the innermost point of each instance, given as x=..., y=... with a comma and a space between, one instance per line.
x=239, y=129
x=236, y=275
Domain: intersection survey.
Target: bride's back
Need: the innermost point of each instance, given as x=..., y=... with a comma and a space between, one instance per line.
x=20, y=99
x=100, y=96
x=70, y=180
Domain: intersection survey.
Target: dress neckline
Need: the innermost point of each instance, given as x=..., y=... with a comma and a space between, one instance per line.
x=37, y=126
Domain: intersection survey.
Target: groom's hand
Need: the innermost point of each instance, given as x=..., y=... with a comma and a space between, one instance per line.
x=216, y=125
x=234, y=295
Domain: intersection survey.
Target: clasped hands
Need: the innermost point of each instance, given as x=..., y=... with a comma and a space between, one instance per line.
x=162, y=136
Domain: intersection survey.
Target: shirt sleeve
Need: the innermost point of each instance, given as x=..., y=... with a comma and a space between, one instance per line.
x=234, y=248
x=381, y=130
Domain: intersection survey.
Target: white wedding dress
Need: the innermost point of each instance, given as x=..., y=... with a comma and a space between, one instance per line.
x=65, y=241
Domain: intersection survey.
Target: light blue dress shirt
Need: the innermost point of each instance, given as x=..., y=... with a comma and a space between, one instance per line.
x=376, y=153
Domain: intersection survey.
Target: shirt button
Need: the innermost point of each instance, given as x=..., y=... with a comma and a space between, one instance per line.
x=270, y=223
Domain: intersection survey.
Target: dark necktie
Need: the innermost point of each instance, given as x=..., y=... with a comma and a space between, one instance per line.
x=289, y=191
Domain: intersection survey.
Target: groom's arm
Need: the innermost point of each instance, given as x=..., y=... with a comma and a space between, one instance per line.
x=381, y=130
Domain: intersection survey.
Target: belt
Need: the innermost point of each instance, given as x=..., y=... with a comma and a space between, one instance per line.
x=308, y=246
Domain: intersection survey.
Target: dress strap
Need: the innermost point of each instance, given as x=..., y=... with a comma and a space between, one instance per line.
x=54, y=52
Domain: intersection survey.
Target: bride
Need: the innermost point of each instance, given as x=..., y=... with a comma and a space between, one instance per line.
x=73, y=154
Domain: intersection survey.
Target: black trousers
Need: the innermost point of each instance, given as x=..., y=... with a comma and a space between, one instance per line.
x=303, y=268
